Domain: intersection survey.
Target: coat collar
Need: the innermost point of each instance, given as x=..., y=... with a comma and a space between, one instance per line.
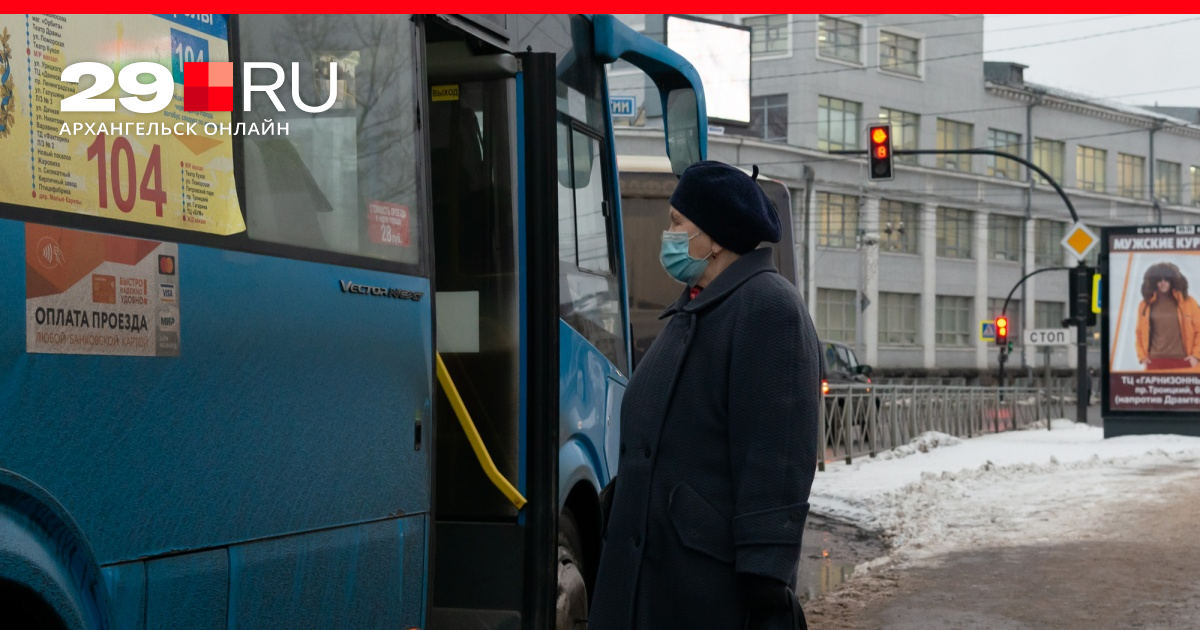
x=749, y=265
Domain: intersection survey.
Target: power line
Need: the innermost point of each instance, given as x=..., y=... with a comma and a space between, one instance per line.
x=1009, y=107
x=1008, y=49
x=884, y=27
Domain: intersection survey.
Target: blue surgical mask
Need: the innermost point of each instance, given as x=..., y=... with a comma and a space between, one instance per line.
x=676, y=259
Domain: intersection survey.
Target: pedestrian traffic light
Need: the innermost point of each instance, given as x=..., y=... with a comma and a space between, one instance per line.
x=1002, y=331
x=881, y=152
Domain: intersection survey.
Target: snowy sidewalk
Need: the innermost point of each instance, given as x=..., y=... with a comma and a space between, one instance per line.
x=1026, y=529
x=941, y=492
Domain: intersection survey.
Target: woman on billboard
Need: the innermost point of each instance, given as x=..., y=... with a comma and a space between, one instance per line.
x=1168, y=324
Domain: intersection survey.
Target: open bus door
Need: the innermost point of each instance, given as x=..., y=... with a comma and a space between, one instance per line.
x=491, y=146
x=493, y=130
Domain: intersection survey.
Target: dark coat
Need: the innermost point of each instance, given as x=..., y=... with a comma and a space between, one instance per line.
x=718, y=452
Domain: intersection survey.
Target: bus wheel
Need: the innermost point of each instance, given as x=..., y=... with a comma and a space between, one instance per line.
x=572, y=604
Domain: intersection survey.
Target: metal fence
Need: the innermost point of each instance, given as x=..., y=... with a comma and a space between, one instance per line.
x=862, y=420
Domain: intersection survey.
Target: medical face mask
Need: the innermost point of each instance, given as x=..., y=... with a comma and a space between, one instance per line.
x=676, y=259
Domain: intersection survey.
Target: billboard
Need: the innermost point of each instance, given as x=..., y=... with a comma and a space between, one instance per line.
x=1152, y=319
x=721, y=54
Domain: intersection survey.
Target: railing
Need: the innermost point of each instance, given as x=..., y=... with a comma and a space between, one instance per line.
x=862, y=420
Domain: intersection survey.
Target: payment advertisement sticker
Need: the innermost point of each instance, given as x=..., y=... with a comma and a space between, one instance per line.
x=88, y=293
x=162, y=168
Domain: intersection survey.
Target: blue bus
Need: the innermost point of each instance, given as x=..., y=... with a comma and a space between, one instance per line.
x=392, y=399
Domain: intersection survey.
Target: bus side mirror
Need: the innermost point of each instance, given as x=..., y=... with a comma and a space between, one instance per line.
x=683, y=129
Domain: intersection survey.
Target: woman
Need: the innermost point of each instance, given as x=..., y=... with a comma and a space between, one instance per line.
x=719, y=429
x=1168, y=324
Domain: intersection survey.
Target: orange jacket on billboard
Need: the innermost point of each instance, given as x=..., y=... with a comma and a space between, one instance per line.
x=1189, y=326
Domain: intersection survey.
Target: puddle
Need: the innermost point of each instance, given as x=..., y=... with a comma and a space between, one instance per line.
x=829, y=554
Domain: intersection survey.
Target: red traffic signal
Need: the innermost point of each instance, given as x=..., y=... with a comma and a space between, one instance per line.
x=880, y=160
x=1001, y=330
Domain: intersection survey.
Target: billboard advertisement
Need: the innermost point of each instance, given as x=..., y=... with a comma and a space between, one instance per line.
x=1153, y=319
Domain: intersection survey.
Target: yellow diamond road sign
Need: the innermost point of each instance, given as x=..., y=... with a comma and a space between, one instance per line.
x=1080, y=240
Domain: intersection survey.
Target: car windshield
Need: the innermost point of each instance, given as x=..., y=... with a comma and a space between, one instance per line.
x=847, y=357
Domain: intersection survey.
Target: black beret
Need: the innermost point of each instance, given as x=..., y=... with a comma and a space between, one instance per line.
x=727, y=204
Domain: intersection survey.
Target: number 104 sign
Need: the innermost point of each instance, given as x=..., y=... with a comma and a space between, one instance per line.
x=107, y=165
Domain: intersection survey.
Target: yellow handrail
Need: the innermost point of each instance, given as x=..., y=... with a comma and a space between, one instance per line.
x=481, y=453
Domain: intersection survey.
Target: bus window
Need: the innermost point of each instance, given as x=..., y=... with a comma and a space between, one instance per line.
x=589, y=292
x=343, y=180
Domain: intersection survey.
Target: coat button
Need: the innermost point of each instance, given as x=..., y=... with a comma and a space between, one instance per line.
x=622, y=448
x=646, y=452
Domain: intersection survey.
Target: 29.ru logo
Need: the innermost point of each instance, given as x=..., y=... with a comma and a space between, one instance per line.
x=206, y=87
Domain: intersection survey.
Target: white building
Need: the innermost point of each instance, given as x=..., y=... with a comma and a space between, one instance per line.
x=907, y=269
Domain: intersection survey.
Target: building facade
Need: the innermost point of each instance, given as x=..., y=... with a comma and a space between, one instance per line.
x=907, y=269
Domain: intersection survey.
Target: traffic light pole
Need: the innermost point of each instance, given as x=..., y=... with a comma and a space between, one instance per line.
x=1004, y=311
x=1082, y=305
x=1082, y=380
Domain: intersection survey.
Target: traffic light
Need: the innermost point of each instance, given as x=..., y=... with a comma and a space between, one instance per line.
x=1002, y=331
x=881, y=152
x=1081, y=287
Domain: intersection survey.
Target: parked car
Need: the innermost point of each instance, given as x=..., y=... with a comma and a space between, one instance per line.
x=840, y=366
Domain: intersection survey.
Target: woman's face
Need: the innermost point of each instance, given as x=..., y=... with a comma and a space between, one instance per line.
x=698, y=247
x=1164, y=285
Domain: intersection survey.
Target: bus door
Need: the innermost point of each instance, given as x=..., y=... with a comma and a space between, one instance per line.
x=496, y=315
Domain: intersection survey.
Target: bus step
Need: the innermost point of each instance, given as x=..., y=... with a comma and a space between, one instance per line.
x=473, y=619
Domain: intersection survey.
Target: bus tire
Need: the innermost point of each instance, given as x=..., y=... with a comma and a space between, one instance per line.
x=571, y=607
x=46, y=565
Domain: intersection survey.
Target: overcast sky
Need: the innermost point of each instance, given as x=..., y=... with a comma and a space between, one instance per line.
x=1157, y=60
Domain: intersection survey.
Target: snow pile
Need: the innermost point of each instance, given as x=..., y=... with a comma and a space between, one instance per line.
x=1010, y=488
x=923, y=443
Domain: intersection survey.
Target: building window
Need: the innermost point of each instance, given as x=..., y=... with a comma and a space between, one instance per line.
x=837, y=220
x=1166, y=181
x=1049, y=235
x=1048, y=155
x=898, y=53
x=1195, y=185
x=1130, y=169
x=1009, y=143
x=1004, y=237
x=953, y=135
x=953, y=321
x=769, y=117
x=1089, y=168
x=996, y=306
x=768, y=35
x=904, y=132
x=836, y=315
x=898, y=319
x=954, y=228
x=839, y=39
x=898, y=226
x=1048, y=314
x=837, y=124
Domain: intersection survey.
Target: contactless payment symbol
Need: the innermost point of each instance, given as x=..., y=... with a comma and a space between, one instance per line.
x=208, y=87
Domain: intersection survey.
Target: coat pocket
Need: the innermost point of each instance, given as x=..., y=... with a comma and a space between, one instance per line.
x=699, y=525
